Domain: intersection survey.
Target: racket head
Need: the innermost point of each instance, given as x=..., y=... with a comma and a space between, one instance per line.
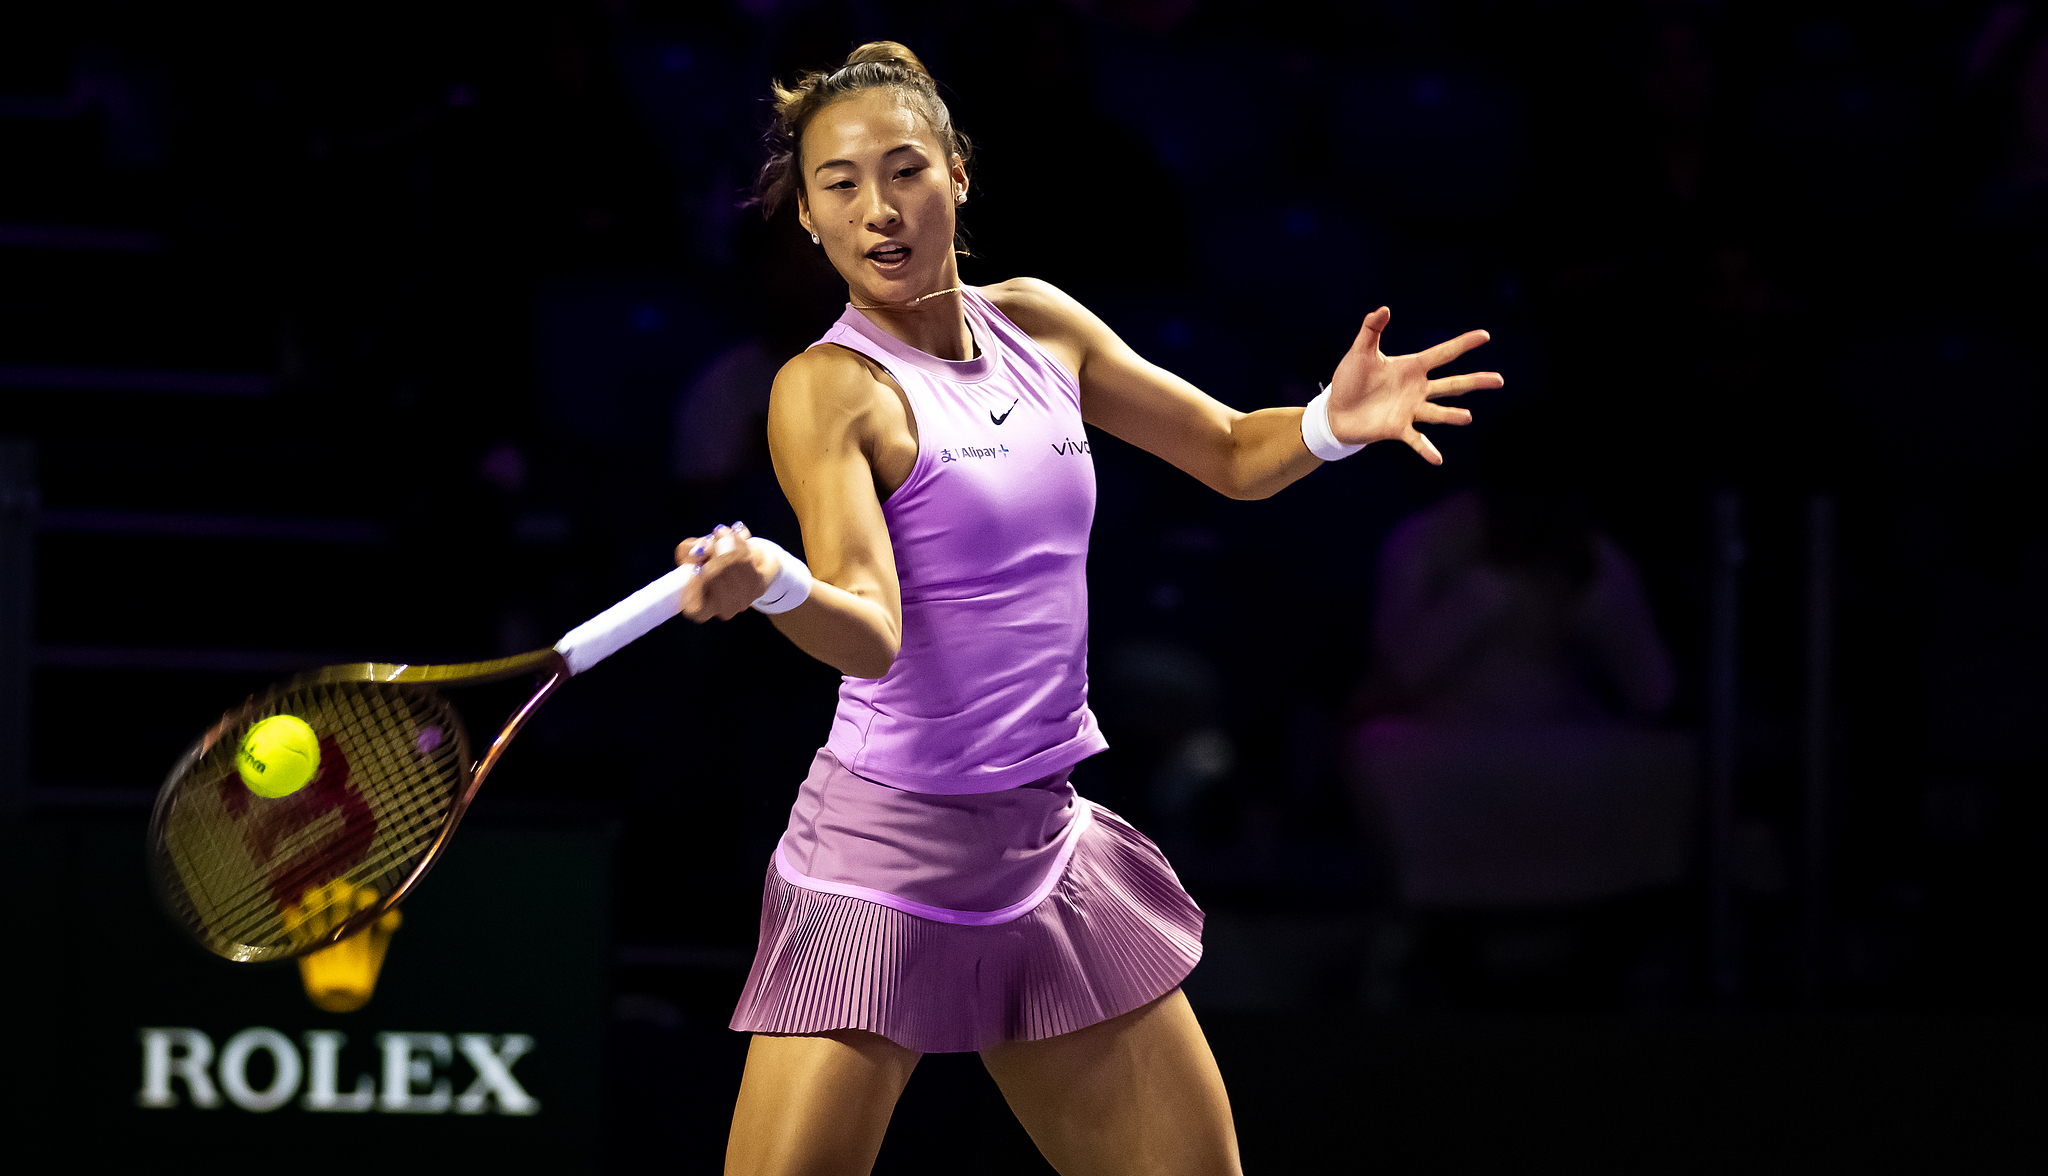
x=255, y=878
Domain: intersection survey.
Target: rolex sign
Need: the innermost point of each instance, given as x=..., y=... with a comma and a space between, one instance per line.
x=482, y=1039
x=410, y=1082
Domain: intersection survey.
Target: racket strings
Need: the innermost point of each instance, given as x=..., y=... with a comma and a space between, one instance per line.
x=251, y=877
x=347, y=717
x=254, y=909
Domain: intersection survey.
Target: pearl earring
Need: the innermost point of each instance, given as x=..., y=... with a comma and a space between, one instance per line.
x=814, y=238
x=960, y=198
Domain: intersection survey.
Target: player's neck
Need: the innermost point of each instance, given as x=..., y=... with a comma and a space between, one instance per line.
x=934, y=323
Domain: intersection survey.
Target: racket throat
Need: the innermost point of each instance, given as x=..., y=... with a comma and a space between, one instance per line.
x=511, y=728
x=476, y=778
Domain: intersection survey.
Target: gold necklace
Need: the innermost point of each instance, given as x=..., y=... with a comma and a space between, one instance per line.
x=909, y=304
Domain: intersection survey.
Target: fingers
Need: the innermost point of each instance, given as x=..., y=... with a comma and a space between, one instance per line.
x=703, y=549
x=693, y=597
x=1423, y=446
x=700, y=552
x=728, y=550
x=1451, y=349
x=694, y=550
x=1459, y=385
x=1370, y=331
x=1442, y=414
x=725, y=583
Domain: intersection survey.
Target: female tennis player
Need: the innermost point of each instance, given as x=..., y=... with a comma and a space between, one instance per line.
x=940, y=886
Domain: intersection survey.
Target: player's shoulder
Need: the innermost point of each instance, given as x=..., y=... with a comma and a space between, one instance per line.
x=828, y=374
x=1038, y=306
x=1033, y=298
x=1026, y=292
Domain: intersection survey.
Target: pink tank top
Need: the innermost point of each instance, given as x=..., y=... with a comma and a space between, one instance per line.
x=990, y=533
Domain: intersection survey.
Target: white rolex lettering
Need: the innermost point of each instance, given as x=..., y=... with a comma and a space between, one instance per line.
x=406, y=1067
x=234, y=1069
x=323, y=1062
x=494, y=1074
x=176, y=1053
x=415, y=1072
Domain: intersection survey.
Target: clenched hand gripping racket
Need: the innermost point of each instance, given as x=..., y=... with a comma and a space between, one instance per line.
x=262, y=879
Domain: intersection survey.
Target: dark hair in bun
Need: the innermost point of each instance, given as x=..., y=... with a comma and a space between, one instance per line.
x=873, y=65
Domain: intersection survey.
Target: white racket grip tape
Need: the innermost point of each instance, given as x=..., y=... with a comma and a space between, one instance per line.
x=625, y=622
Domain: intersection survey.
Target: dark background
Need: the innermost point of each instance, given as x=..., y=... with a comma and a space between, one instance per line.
x=360, y=331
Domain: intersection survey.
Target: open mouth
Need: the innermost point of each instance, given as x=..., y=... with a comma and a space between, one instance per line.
x=889, y=255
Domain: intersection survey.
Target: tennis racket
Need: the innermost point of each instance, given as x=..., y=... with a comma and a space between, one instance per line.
x=255, y=878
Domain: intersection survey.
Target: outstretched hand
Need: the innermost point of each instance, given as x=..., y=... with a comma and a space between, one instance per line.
x=1379, y=397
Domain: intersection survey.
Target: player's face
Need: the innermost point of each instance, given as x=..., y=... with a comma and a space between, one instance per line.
x=880, y=193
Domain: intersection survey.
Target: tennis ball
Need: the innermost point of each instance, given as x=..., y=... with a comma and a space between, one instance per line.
x=278, y=756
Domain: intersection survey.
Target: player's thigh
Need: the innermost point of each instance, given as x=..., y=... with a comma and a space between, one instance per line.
x=1135, y=1094
x=815, y=1104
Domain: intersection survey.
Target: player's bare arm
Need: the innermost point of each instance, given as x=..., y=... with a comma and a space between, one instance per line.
x=841, y=438
x=1374, y=397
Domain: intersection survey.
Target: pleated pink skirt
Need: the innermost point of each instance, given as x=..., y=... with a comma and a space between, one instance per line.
x=1115, y=932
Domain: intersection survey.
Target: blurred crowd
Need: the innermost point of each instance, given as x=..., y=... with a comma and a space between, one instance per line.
x=1779, y=248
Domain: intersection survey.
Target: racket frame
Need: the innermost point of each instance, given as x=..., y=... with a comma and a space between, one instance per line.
x=577, y=651
x=548, y=665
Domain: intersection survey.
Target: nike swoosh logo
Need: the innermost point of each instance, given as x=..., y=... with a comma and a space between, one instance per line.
x=1006, y=413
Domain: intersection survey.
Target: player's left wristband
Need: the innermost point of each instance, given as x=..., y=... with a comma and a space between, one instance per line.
x=1317, y=434
x=792, y=583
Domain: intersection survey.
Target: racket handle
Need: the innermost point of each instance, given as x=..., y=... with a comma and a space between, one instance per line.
x=625, y=622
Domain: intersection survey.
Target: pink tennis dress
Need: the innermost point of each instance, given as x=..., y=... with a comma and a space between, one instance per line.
x=940, y=882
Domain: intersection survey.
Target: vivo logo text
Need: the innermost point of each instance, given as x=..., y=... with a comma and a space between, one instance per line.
x=416, y=1075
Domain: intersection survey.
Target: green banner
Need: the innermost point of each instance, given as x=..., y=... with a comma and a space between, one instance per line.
x=483, y=1043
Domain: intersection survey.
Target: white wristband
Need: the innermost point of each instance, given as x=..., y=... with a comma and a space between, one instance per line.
x=1316, y=433
x=792, y=583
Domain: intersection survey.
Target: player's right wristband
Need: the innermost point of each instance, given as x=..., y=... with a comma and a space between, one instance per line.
x=1316, y=432
x=792, y=583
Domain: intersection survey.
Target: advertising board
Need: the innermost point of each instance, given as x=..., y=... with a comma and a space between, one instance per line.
x=483, y=1043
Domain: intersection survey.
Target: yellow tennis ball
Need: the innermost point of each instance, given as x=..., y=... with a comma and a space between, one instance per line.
x=278, y=756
